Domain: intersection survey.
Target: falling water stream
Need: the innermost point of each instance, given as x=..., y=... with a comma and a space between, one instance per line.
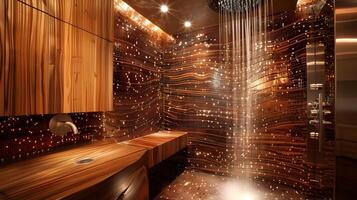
x=243, y=35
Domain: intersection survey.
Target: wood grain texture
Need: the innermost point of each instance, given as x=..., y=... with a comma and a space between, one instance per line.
x=2, y=51
x=132, y=183
x=59, y=176
x=197, y=93
x=118, y=171
x=94, y=16
x=137, y=101
x=87, y=69
x=53, y=66
x=160, y=145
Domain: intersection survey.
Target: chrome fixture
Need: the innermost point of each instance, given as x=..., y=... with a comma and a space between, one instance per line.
x=62, y=124
x=316, y=86
x=238, y=5
x=317, y=112
x=233, y=5
x=318, y=105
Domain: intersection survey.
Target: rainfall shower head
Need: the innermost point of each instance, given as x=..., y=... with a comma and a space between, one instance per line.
x=233, y=5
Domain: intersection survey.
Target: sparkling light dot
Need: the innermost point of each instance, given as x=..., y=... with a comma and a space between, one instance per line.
x=164, y=8
x=187, y=24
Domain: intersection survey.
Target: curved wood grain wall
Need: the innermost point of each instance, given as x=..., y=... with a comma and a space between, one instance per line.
x=137, y=74
x=196, y=94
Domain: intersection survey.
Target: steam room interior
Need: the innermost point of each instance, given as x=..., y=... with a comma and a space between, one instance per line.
x=178, y=99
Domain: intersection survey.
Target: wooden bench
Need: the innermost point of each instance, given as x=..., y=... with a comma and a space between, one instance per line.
x=98, y=170
x=160, y=145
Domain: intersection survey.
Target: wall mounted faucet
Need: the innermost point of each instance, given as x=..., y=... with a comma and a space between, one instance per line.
x=72, y=126
x=62, y=124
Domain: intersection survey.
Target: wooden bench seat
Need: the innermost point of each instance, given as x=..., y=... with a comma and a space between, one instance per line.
x=160, y=145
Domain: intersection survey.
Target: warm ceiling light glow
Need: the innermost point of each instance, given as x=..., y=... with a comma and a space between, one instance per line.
x=127, y=11
x=346, y=40
x=188, y=24
x=164, y=8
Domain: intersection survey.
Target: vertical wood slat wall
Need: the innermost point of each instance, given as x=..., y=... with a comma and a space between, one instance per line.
x=2, y=56
x=56, y=56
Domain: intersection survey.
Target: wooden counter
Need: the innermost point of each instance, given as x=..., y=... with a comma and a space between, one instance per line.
x=58, y=175
x=117, y=170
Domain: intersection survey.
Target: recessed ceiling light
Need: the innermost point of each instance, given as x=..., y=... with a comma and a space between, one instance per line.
x=187, y=24
x=164, y=8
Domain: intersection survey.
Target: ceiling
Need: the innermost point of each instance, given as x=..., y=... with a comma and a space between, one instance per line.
x=196, y=11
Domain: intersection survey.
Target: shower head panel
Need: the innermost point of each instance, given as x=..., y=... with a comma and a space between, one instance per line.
x=238, y=5
x=233, y=5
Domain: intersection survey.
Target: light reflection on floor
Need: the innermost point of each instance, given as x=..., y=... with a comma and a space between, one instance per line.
x=202, y=186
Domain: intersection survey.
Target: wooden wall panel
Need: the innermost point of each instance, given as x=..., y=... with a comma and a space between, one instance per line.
x=104, y=95
x=197, y=98
x=94, y=16
x=29, y=66
x=137, y=73
x=197, y=95
x=47, y=6
x=2, y=52
x=57, y=66
x=86, y=63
